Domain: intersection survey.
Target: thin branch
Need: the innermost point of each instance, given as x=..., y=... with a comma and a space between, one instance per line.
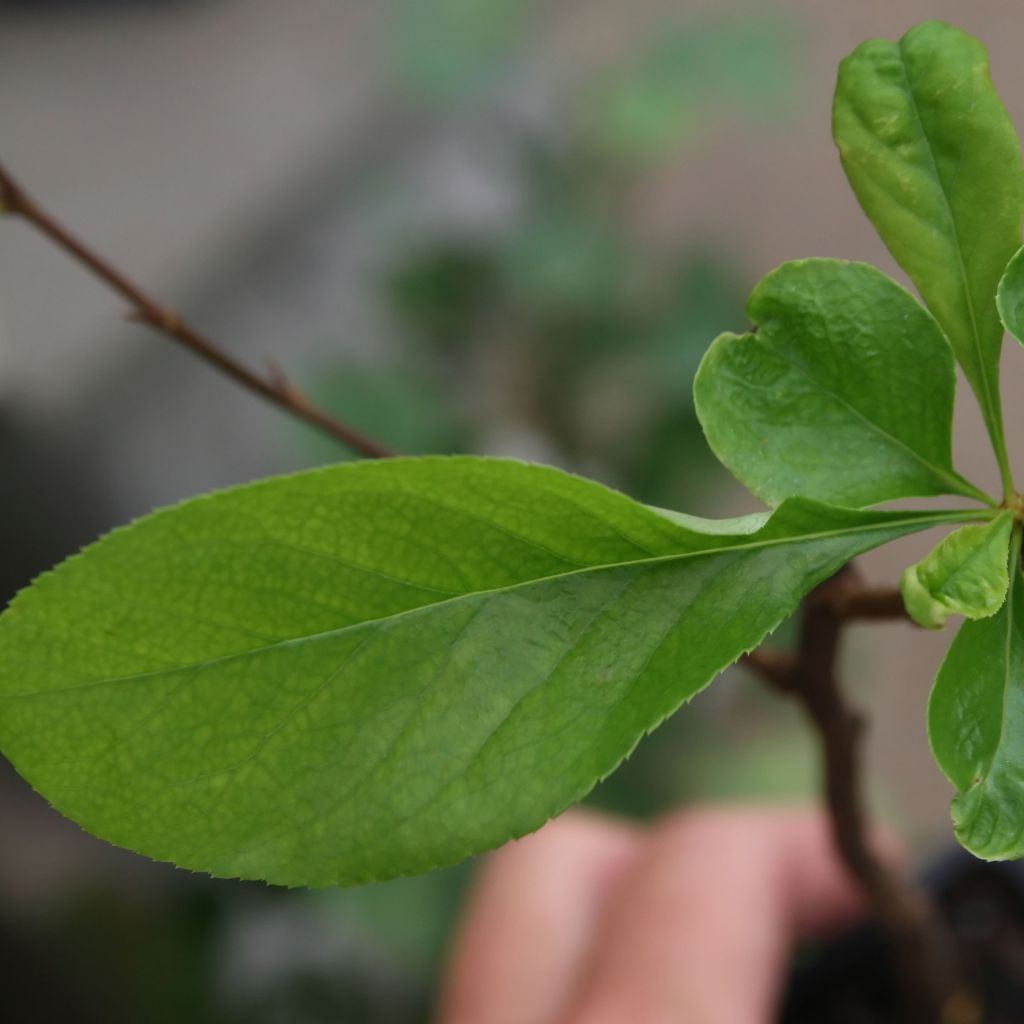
x=848, y=604
x=860, y=603
x=774, y=667
x=273, y=387
x=923, y=951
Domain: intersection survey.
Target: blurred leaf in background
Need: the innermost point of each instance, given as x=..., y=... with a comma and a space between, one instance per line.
x=564, y=259
x=450, y=50
x=409, y=410
x=601, y=329
x=688, y=75
x=444, y=290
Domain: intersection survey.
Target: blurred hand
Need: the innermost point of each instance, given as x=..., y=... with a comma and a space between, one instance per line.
x=691, y=921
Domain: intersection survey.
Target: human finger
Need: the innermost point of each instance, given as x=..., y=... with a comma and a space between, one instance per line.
x=700, y=929
x=531, y=917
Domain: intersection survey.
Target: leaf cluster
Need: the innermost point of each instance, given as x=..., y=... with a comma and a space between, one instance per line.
x=377, y=668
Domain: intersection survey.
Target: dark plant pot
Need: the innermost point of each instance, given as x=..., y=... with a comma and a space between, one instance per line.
x=851, y=982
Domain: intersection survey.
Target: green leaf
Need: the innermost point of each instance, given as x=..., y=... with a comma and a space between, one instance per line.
x=935, y=162
x=966, y=574
x=976, y=726
x=378, y=668
x=844, y=393
x=1010, y=297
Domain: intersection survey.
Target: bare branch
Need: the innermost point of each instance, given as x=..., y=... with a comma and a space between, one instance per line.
x=274, y=387
x=858, y=603
x=774, y=667
x=923, y=951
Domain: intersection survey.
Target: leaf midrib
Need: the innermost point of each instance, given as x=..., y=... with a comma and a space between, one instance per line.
x=977, y=553
x=922, y=519
x=990, y=408
x=950, y=476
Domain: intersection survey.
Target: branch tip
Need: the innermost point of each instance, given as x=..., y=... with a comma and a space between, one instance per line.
x=143, y=309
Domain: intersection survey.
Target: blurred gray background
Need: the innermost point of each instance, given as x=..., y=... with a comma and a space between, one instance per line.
x=464, y=225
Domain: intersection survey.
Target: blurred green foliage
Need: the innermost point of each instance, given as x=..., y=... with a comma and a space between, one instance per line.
x=688, y=75
x=448, y=50
x=596, y=330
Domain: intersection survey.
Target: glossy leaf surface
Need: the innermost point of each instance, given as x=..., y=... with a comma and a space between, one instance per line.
x=935, y=162
x=965, y=574
x=844, y=393
x=378, y=668
x=976, y=725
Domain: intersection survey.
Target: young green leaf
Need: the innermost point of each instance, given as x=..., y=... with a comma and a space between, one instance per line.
x=935, y=162
x=1010, y=297
x=378, y=668
x=966, y=574
x=844, y=393
x=976, y=726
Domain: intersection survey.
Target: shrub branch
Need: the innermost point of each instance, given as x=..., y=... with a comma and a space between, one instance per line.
x=274, y=387
x=922, y=949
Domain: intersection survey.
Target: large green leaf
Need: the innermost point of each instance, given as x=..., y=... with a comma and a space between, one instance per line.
x=843, y=393
x=976, y=725
x=377, y=668
x=966, y=574
x=934, y=160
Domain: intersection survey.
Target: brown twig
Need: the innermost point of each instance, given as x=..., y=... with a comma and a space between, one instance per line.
x=923, y=952
x=273, y=387
x=855, y=603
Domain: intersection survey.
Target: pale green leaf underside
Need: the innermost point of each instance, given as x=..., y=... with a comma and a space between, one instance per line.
x=966, y=574
x=844, y=393
x=935, y=161
x=378, y=668
x=1010, y=297
x=976, y=727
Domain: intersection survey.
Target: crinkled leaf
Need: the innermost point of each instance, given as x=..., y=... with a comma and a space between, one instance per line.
x=1010, y=297
x=935, y=162
x=844, y=393
x=965, y=574
x=976, y=725
x=378, y=668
